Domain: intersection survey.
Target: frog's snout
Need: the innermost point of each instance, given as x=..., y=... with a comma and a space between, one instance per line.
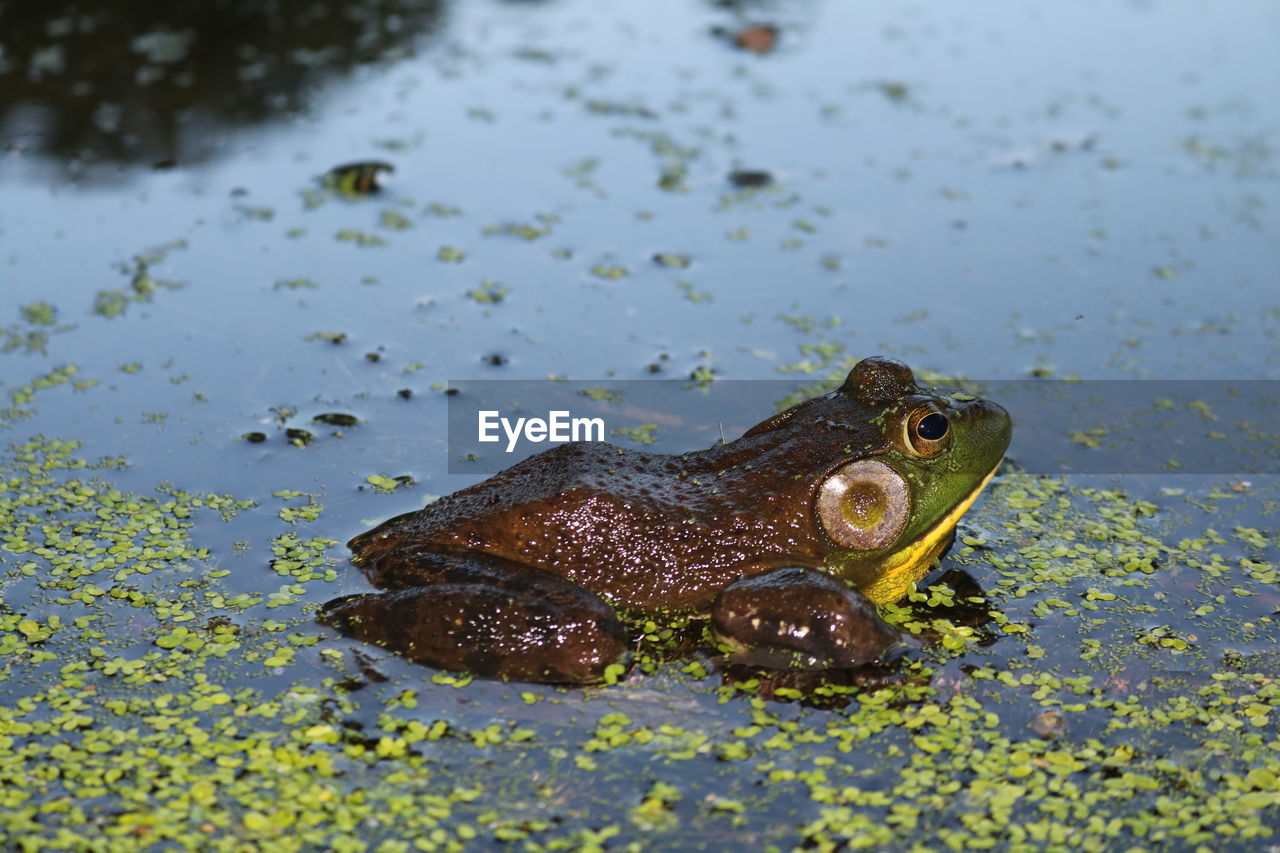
x=992, y=419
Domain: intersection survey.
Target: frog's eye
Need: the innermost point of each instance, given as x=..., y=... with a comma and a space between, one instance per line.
x=863, y=505
x=927, y=431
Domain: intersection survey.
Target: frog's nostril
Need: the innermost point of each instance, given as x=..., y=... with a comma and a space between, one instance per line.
x=986, y=408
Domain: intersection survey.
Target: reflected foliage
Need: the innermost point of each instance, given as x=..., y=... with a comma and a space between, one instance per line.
x=152, y=82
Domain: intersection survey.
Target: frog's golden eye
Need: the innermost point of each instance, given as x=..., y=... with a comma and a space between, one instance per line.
x=926, y=431
x=863, y=505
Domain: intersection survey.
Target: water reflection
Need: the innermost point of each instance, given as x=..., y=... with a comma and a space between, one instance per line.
x=153, y=82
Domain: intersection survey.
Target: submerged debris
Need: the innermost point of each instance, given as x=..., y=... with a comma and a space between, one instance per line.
x=340, y=419
x=748, y=178
x=672, y=259
x=757, y=38
x=299, y=437
x=356, y=179
x=1050, y=723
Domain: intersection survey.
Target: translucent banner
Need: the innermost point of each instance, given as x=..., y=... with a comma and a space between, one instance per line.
x=1060, y=427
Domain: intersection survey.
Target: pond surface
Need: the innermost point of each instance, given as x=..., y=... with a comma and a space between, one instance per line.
x=613, y=193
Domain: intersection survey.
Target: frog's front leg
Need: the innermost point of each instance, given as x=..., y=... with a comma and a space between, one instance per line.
x=797, y=616
x=488, y=616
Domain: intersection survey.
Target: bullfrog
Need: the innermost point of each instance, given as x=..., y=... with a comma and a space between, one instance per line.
x=785, y=538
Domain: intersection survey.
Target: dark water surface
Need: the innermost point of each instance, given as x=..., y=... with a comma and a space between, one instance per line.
x=999, y=191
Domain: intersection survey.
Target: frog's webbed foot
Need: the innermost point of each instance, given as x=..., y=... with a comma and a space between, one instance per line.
x=798, y=617
x=498, y=621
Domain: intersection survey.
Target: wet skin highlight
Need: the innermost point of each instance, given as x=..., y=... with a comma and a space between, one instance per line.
x=844, y=498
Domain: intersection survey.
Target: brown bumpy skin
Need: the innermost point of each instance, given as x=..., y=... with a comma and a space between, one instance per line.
x=516, y=576
x=492, y=618
x=643, y=529
x=805, y=612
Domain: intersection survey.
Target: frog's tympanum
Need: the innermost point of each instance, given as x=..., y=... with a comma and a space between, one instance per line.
x=785, y=537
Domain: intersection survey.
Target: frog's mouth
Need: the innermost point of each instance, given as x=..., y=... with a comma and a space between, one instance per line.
x=913, y=562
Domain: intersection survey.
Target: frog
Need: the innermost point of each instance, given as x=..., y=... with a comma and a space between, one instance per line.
x=785, y=538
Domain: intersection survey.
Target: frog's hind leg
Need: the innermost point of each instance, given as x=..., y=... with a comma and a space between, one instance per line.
x=490, y=617
x=801, y=617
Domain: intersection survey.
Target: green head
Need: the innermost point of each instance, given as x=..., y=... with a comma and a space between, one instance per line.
x=889, y=511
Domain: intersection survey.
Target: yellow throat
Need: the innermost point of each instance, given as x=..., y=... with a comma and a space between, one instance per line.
x=913, y=562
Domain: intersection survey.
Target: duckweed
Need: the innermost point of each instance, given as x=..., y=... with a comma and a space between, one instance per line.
x=39, y=313
x=394, y=220
x=644, y=434
x=488, y=293
x=161, y=692
x=1096, y=669
x=609, y=271
x=359, y=238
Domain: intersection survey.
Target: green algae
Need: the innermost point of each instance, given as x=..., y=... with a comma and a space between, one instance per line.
x=672, y=259
x=692, y=294
x=525, y=231
x=488, y=293
x=257, y=213
x=394, y=220
x=217, y=717
x=25, y=394
x=14, y=338
x=332, y=337
x=301, y=283
x=382, y=483
x=643, y=434
x=143, y=286
x=1102, y=682
x=359, y=238
x=610, y=272
x=39, y=313
x=443, y=211
x=601, y=393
